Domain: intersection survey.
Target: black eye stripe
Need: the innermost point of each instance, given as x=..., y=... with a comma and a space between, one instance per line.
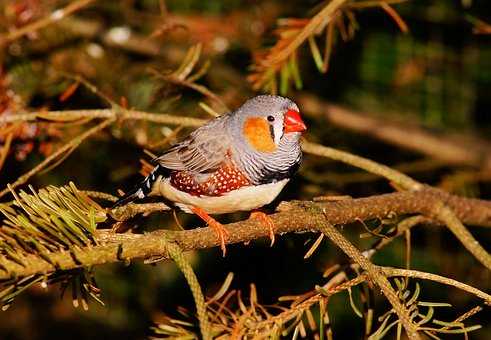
x=271, y=131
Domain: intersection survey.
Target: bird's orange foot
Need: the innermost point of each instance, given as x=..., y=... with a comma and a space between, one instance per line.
x=266, y=220
x=219, y=229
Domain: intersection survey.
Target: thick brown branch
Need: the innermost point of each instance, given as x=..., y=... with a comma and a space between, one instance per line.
x=298, y=216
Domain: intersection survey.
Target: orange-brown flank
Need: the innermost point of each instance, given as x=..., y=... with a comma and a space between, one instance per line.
x=225, y=179
x=258, y=135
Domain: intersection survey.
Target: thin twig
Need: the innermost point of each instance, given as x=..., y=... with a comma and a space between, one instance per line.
x=68, y=146
x=46, y=21
x=177, y=255
x=447, y=216
x=389, y=271
x=161, y=118
x=319, y=21
x=363, y=163
x=130, y=210
x=375, y=275
x=308, y=303
x=101, y=195
x=172, y=78
x=5, y=149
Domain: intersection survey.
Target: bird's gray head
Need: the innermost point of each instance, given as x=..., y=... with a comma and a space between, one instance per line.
x=266, y=122
x=266, y=132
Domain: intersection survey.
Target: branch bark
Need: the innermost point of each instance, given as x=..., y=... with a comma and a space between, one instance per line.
x=295, y=216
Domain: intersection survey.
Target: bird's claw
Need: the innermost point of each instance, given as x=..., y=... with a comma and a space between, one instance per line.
x=267, y=221
x=219, y=229
x=221, y=232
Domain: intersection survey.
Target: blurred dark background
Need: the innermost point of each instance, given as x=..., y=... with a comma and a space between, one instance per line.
x=438, y=76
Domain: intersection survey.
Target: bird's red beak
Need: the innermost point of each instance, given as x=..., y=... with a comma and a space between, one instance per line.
x=292, y=122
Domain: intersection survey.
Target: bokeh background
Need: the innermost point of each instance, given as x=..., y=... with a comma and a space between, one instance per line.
x=437, y=75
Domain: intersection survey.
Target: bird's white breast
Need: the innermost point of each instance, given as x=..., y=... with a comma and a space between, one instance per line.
x=243, y=199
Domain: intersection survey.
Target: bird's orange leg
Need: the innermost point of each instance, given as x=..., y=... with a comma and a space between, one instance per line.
x=266, y=220
x=221, y=232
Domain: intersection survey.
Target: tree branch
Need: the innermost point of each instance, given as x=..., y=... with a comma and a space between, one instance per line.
x=45, y=21
x=375, y=275
x=123, y=114
x=295, y=216
x=363, y=163
x=72, y=144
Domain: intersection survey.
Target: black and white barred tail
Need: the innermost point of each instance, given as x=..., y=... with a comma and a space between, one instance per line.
x=143, y=189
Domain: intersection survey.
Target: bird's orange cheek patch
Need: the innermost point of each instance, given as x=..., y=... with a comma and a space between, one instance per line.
x=256, y=131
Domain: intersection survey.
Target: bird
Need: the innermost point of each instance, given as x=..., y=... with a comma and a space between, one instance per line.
x=239, y=161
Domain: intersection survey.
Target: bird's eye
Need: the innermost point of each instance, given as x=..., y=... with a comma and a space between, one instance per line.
x=270, y=119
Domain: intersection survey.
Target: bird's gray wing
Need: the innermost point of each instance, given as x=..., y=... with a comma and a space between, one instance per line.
x=204, y=150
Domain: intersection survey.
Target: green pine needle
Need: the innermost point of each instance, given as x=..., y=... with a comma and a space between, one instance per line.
x=49, y=220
